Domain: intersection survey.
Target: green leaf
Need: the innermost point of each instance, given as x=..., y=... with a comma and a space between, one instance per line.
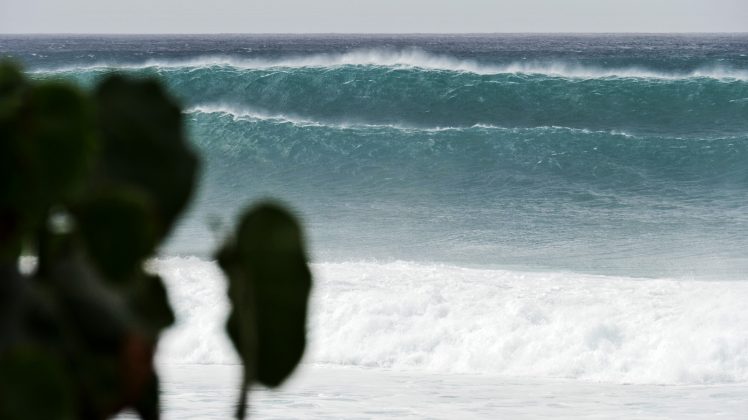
x=119, y=229
x=150, y=304
x=143, y=145
x=47, y=146
x=34, y=384
x=269, y=284
x=62, y=129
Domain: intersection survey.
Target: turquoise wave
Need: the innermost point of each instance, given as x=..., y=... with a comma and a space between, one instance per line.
x=556, y=197
x=692, y=105
x=611, y=170
x=550, y=153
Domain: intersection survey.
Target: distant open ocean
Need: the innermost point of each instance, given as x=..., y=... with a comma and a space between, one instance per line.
x=566, y=213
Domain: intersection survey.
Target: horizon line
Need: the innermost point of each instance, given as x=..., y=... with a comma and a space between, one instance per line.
x=369, y=33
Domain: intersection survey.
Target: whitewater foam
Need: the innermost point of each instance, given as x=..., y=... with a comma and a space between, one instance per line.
x=237, y=113
x=440, y=318
x=249, y=114
x=243, y=113
x=413, y=58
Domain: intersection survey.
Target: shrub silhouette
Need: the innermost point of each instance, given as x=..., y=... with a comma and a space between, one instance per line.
x=90, y=184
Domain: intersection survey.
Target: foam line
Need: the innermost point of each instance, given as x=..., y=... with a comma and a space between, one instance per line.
x=414, y=59
x=240, y=113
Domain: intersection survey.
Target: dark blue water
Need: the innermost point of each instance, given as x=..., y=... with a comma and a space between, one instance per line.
x=598, y=153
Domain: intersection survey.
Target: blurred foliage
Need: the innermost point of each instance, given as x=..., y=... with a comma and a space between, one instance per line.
x=90, y=185
x=269, y=284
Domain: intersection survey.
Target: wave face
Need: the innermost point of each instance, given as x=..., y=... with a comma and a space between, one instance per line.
x=615, y=155
x=444, y=318
x=422, y=90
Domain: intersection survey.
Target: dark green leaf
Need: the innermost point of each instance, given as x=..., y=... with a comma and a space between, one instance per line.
x=34, y=385
x=119, y=230
x=269, y=288
x=143, y=145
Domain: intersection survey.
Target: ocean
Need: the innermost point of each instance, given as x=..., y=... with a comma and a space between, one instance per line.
x=565, y=213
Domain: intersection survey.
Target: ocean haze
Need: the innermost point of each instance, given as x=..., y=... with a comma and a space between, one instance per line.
x=387, y=16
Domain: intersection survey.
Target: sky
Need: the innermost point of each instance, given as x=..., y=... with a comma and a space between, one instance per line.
x=371, y=16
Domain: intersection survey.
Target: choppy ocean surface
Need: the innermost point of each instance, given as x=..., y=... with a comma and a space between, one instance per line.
x=521, y=206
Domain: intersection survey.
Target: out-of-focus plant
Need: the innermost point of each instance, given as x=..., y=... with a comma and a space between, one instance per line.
x=90, y=185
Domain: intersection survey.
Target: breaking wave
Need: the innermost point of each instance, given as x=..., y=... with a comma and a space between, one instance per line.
x=247, y=114
x=413, y=59
x=443, y=318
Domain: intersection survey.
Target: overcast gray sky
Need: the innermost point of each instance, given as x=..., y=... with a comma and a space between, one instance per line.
x=369, y=16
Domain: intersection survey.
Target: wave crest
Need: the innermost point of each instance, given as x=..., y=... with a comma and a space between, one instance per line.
x=413, y=58
x=238, y=113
